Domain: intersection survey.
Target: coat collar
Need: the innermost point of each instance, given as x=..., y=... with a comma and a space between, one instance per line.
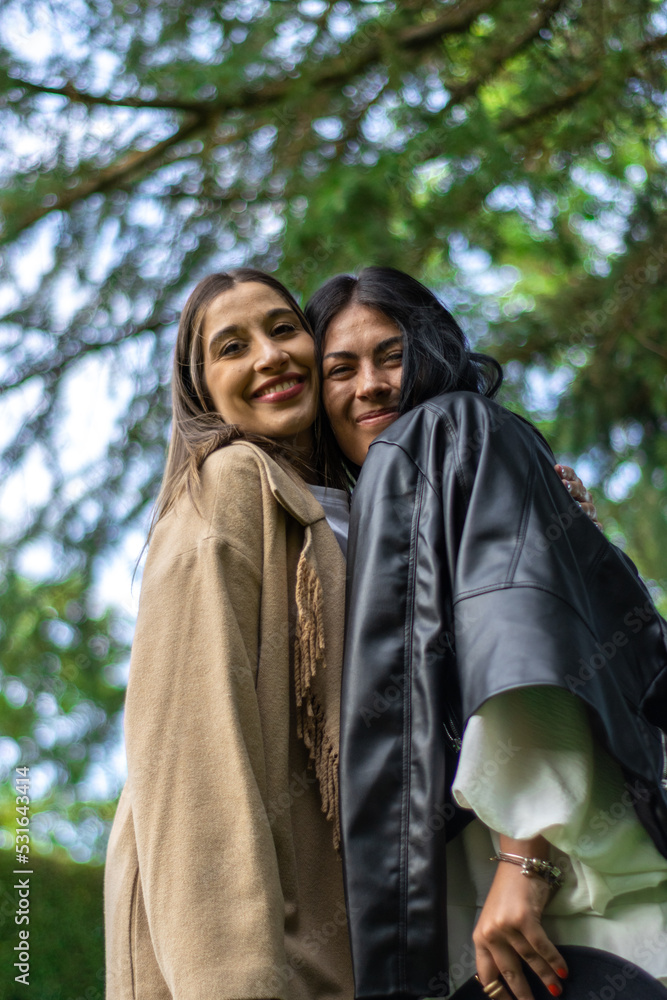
x=294, y=496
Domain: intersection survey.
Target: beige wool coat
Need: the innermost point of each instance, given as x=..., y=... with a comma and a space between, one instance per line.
x=222, y=882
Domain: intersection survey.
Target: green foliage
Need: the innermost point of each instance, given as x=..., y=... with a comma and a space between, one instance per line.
x=66, y=931
x=62, y=689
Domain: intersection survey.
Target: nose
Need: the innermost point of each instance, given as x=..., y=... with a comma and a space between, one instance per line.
x=372, y=382
x=270, y=355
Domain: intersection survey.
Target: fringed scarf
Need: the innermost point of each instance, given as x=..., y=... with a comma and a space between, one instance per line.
x=317, y=690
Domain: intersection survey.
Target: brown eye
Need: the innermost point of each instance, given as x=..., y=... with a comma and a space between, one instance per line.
x=230, y=348
x=283, y=328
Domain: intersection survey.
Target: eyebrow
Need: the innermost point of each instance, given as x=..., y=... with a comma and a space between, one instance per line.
x=378, y=349
x=235, y=328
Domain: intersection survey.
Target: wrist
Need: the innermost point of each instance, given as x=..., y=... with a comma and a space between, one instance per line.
x=533, y=867
x=533, y=847
x=531, y=858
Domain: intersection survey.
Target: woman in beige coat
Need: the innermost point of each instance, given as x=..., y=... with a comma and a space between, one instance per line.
x=222, y=879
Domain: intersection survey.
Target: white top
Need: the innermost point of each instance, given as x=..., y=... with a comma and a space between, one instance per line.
x=336, y=506
x=530, y=766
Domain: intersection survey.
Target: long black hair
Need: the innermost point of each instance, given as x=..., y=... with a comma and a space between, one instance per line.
x=436, y=353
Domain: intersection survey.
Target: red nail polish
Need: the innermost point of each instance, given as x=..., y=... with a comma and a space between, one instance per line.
x=563, y=973
x=554, y=990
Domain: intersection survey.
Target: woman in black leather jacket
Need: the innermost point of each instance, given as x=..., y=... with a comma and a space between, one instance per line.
x=492, y=628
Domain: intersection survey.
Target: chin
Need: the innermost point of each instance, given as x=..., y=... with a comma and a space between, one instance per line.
x=290, y=431
x=283, y=425
x=359, y=455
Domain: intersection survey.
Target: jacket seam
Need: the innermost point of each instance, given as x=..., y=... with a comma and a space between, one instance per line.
x=394, y=444
x=407, y=745
x=230, y=545
x=458, y=464
x=523, y=525
x=480, y=591
x=219, y=538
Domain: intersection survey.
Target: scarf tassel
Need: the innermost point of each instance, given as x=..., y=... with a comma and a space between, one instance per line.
x=308, y=660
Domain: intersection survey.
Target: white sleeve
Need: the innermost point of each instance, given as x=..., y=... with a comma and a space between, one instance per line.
x=531, y=766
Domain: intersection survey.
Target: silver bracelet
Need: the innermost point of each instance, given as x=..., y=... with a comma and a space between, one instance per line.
x=551, y=874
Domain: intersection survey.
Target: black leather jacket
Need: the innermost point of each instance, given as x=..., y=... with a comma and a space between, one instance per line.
x=472, y=571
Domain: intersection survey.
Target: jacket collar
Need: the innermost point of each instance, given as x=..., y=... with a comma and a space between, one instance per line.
x=291, y=494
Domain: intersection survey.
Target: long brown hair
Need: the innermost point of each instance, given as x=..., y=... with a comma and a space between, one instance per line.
x=197, y=428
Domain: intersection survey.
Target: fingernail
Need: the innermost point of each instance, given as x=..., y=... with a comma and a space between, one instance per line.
x=554, y=989
x=563, y=973
x=568, y=487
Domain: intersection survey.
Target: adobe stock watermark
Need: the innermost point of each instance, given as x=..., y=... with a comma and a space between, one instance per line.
x=561, y=522
x=461, y=969
x=300, y=784
x=383, y=700
x=444, y=811
x=433, y=148
x=624, y=289
x=22, y=885
x=634, y=620
x=311, y=945
x=365, y=38
x=604, y=820
x=385, y=697
x=325, y=247
x=614, y=983
x=647, y=950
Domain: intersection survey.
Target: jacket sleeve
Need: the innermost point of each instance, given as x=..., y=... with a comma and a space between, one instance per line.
x=517, y=556
x=540, y=596
x=196, y=769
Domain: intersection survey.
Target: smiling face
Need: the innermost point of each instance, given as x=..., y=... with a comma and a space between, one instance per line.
x=362, y=369
x=259, y=363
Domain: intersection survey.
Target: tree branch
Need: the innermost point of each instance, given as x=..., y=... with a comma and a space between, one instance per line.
x=77, y=96
x=54, y=365
x=459, y=91
x=656, y=44
x=572, y=95
x=651, y=345
x=563, y=101
x=337, y=69
x=334, y=72
x=109, y=177
x=456, y=20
